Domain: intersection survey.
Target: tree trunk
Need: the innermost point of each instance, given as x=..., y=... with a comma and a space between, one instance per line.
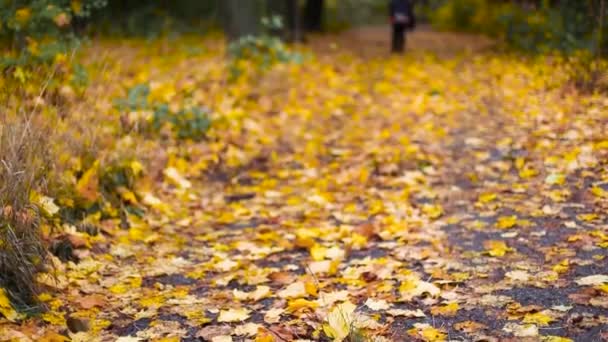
x=240, y=18
x=294, y=21
x=314, y=15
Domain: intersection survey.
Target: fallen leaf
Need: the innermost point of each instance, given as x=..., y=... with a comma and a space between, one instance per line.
x=295, y=290
x=406, y=313
x=427, y=333
x=233, y=315
x=528, y=330
x=339, y=321
x=593, y=280
x=377, y=305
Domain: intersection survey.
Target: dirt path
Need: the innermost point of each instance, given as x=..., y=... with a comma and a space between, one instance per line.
x=370, y=42
x=446, y=195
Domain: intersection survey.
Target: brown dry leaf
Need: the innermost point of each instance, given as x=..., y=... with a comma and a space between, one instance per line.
x=92, y=301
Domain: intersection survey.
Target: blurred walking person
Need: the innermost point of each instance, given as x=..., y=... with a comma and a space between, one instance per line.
x=402, y=18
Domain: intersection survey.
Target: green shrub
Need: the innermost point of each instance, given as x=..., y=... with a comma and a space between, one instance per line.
x=36, y=31
x=260, y=51
x=567, y=27
x=187, y=123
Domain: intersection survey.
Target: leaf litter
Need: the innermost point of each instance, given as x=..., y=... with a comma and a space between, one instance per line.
x=420, y=198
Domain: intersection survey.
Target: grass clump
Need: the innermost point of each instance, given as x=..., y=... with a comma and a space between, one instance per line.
x=23, y=166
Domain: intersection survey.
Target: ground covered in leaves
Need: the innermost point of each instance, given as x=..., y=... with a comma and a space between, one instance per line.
x=431, y=197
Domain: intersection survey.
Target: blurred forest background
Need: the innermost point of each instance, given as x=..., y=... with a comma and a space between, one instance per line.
x=36, y=30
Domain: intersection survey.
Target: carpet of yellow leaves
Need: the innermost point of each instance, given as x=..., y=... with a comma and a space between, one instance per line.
x=405, y=198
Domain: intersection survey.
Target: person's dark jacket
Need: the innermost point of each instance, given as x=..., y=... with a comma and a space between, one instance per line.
x=403, y=8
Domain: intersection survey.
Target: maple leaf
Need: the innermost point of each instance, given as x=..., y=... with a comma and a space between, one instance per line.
x=427, y=333
x=233, y=315
x=377, y=305
x=496, y=248
x=487, y=197
x=538, y=318
x=599, y=192
x=412, y=287
x=47, y=204
x=299, y=304
x=432, y=211
x=295, y=290
x=340, y=321
x=446, y=310
x=528, y=330
x=505, y=222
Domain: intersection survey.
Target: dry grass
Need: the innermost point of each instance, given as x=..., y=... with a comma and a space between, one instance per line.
x=24, y=163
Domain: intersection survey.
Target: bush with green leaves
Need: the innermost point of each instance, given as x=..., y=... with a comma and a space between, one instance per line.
x=187, y=123
x=37, y=31
x=537, y=27
x=262, y=51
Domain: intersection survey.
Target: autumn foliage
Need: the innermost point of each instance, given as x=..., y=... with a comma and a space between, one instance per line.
x=185, y=188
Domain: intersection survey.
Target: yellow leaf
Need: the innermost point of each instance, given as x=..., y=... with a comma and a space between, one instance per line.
x=76, y=6
x=23, y=15
x=555, y=179
x=432, y=211
x=556, y=339
x=119, y=289
x=127, y=195
x=6, y=309
x=168, y=339
x=527, y=173
x=136, y=167
x=446, y=310
x=427, y=333
x=487, y=197
x=599, y=192
x=47, y=204
x=603, y=288
x=318, y=252
x=259, y=293
x=505, y=222
x=156, y=301
x=264, y=336
x=294, y=290
x=587, y=217
x=88, y=185
x=358, y=241
x=496, y=248
x=233, y=315
x=174, y=177
x=298, y=304
x=562, y=267
x=54, y=318
x=340, y=321
x=311, y=288
x=412, y=287
x=538, y=318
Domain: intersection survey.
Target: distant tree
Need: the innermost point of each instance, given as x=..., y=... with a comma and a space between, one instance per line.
x=293, y=20
x=313, y=15
x=240, y=18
